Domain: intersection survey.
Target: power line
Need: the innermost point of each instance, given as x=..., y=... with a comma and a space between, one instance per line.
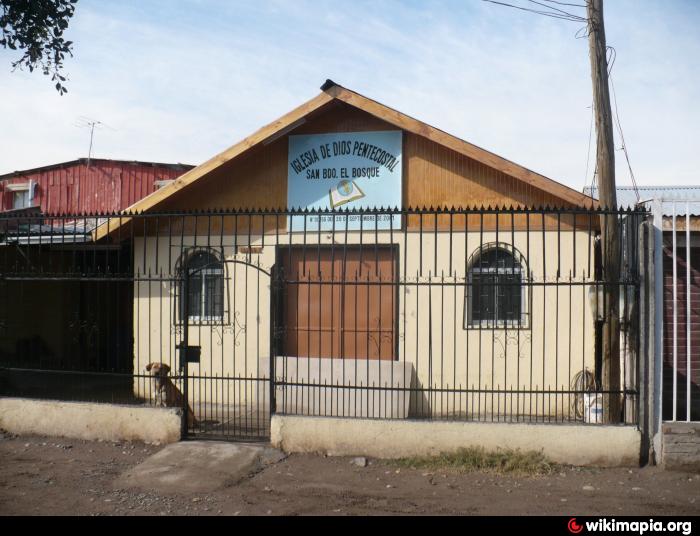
x=588, y=152
x=554, y=8
x=611, y=61
x=622, y=139
x=565, y=3
x=611, y=58
x=558, y=14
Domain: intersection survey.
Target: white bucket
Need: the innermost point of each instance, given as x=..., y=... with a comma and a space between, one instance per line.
x=593, y=408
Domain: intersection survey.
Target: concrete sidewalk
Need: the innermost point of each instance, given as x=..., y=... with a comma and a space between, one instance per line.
x=199, y=466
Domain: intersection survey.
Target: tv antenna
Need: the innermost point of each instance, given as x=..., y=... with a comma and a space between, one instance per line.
x=92, y=124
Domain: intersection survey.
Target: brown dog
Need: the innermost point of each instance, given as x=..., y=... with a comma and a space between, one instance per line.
x=164, y=392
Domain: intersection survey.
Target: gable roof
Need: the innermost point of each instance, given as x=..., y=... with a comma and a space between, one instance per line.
x=330, y=91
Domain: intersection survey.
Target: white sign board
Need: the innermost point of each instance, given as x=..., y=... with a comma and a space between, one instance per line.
x=345, y=171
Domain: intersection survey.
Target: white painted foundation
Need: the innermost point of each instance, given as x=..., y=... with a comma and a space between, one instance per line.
x=79, y=420
x=591, y=445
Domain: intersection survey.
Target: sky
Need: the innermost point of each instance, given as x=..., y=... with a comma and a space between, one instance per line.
x=180, y=81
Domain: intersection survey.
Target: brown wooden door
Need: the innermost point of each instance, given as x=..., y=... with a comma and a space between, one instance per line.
x=339, y=302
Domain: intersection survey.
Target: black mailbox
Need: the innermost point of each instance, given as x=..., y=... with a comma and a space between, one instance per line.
x=189, y=354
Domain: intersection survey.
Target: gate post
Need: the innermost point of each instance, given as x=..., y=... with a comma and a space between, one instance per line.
x=656, y=386
x=274, y=315
x=185, y=300
x=645, y=236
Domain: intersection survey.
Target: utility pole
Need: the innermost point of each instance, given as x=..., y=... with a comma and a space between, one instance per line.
x=605, y=161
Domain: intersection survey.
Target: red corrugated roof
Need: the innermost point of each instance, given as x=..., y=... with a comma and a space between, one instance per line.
x=76, y=187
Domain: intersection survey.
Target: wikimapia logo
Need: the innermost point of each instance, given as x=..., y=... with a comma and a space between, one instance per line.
x=637, y=527
x=574, y=527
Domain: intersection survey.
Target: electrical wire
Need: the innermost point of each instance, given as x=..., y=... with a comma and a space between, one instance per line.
x=588, y=152
x=613, y=55
x=556, y=9
x=565, y=3
x=624, y=143
x=558, y=13
x=554, y=14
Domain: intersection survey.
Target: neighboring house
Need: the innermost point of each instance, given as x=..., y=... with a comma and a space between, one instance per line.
x=32, y=203
x=84, y=186
x=676, y=213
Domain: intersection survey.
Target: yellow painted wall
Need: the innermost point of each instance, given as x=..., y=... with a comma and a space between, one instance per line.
x=558, y=342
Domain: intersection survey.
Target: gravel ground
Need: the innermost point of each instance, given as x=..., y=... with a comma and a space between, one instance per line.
x=55, y=476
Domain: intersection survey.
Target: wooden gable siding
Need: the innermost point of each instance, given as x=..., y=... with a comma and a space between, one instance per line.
x=258, y=178
x=433, y=176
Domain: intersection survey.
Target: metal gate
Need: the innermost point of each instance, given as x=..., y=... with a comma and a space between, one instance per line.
x=225, y=347
x=678, y=313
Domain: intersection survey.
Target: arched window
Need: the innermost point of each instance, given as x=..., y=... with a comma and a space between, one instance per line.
x=205, y=301
x=495, y=295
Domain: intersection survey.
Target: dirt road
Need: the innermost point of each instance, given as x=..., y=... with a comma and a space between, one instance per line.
x=42, y=475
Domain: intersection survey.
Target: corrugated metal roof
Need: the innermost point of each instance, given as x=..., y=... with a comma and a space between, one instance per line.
x=39, y=233
x=28, y=226
x=77, y=161
x=684, y=198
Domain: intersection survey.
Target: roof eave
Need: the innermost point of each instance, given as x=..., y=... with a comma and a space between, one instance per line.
x=331, y=91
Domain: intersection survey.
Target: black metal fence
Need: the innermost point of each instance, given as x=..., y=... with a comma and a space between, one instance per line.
x=489, y=314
